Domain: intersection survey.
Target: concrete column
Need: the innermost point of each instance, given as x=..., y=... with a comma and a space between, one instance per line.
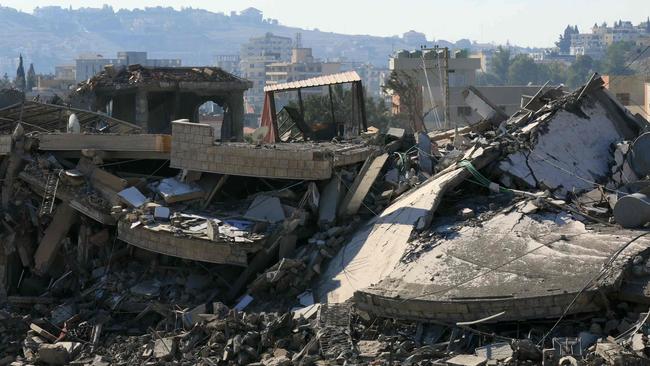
x=142, y=109
x=236, y=107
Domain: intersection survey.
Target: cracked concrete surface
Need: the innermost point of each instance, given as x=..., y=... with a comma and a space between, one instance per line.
x=510, y=258
x=570, y=153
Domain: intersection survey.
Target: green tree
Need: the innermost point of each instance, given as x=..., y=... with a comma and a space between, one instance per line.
x=20, y=82
x=616, y=58
x=407, y=88
x=580, y=70
x=5, y=83
x=500, y=64
x=317, y=108
x=462, y=53
x=31, y=78
x=564, y=43
x=487, y=78
x=522, y=71
x=555, y=73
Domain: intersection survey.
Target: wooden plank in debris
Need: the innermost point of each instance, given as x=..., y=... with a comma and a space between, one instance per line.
x=361, y=185
x=64, y=217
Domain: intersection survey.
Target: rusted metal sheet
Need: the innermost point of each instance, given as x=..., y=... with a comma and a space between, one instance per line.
x=341, y=78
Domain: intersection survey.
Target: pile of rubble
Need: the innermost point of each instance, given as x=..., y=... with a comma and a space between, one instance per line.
x=511, y=241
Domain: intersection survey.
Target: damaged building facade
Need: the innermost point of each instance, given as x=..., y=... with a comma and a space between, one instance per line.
x=133, y=234
x=152, y=97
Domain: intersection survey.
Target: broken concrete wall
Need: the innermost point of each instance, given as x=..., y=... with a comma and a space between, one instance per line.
x=193, y=148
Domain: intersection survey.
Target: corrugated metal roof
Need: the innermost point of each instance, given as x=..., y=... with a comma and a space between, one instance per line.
x=344, y=77
x=40, y=117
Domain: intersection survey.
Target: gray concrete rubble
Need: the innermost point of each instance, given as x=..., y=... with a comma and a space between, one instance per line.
x=516, y=240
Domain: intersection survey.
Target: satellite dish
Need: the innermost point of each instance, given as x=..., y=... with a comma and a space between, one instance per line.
x=259, y=134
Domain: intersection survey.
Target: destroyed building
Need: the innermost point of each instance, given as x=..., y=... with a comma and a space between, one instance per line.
x=152, y=97
x=516, y=240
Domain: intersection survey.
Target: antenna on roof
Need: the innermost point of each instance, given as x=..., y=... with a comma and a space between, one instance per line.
x=298, y=40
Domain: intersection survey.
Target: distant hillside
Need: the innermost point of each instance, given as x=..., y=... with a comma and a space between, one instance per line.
x=54, y=35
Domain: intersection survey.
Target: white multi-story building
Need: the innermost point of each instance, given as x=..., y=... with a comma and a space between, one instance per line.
x=229, y=63
x=589, y=44
x=302, y=66
x=595, y=43
x=255, y=55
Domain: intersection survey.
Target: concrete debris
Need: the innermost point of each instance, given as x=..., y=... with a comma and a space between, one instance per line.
x=266, y=208
x=133, y=197
x=173, y=190
x=505, y=242
x=467, y=360
x=60, y=353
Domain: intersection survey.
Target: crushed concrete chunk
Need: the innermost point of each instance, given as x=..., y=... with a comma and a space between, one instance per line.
x=266, y=208
x=133, y=197
x=58, y=354
x=164, y=348
x=173, y=190
x=467, y=360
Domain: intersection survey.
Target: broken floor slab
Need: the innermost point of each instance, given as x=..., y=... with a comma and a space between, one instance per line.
x=200, y=249
x=92, y=206
x=122, y=146
x=527, y=266
x=373, y=252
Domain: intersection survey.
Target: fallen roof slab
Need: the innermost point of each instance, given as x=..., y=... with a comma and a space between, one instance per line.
x=88, y=205
x=204, y=250
x=375, y=250
x=528, y=266
x=39, y=117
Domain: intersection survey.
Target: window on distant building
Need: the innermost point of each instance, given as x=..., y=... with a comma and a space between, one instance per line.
x=464, y=111
x=624, y=98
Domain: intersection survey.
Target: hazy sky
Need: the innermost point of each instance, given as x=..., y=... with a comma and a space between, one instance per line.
x=523, y=22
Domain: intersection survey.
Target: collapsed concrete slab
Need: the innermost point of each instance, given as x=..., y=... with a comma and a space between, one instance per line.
x=567, y=147
x=160, y=239
x=92, y=206
x=375, y=250
x=528, y=266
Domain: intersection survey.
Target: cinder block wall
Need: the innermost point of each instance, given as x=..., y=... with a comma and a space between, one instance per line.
x=193, y=148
